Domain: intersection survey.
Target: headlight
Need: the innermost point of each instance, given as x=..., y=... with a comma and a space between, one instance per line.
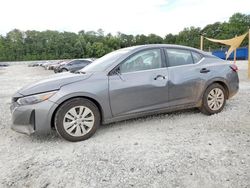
x=33, y=99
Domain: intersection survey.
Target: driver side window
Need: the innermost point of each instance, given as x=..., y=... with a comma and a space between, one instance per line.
x=145, y=60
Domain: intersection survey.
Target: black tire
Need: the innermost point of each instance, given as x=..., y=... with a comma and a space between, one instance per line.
x=205, y=109
x=65, y=108
x=64, y=70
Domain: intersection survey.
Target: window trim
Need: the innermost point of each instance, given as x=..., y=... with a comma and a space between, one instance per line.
x=139, y=71
x=163, y=60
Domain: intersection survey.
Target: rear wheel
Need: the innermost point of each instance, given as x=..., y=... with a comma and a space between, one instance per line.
x=77, y=119
x=214, y=99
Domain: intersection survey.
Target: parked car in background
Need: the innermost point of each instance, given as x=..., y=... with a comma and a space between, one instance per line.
x=40, y=63
x=4, y=64
x=35, y=64
x=57, y=67
x=54, y=64
x=47, y=64
x=73, y=65
x=127, y=83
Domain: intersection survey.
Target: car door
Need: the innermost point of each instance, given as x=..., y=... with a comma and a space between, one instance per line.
x=139, y=84
x=185, y=80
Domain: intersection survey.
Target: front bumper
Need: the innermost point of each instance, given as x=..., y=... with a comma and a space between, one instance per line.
x=35, y=118
x=56, y=70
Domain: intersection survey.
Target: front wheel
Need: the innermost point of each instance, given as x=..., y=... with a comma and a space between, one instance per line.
x=214, y=99
x=64, y=70
x=77, y=119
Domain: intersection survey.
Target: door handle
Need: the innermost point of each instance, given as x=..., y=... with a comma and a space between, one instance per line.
x=204, y=70
x=159, y=77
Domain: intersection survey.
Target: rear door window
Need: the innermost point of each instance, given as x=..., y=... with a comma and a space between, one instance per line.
x=178, y=57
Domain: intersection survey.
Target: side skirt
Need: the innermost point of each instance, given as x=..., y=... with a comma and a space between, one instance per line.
x=151, y=112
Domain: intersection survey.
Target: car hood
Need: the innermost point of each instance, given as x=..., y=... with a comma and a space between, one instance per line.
x=52, y=83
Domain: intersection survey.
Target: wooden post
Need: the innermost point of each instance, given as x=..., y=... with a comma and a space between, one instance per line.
x=249, y=54
x=235, y=51
x=235, y=56
x=201, y=44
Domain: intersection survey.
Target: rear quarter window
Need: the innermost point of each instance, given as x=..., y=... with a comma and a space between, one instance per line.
x=196, y=57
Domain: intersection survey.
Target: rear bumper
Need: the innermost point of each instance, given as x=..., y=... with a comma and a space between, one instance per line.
x=233, y=92
x=233, y=84
x=29, y=119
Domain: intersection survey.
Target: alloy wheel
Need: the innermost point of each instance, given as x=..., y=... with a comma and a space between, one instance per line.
x=215, y=99
x=78, y=121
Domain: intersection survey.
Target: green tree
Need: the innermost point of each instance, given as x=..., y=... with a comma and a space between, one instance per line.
x=2, y=49
x=36, y=45
x=126, y=40
x=141, y=39
x=15, y=45
x=170, y=39
x=189, y=37
x=154, y=39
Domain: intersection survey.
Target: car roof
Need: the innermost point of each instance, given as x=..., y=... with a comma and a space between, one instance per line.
x=87, y=60
x=148, y=46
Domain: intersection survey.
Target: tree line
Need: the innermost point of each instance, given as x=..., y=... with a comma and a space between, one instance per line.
x=35, y=45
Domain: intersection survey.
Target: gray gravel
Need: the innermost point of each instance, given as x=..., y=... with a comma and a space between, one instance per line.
x=181, y=149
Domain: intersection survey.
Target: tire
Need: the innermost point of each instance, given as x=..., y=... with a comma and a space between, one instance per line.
x=214, y=99
x=77, y=119
x=64, y=70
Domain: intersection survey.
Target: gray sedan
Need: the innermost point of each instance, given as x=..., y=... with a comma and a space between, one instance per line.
x=127, y=83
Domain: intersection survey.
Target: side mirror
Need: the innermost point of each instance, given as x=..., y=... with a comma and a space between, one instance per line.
x=118, y=70
x=115, y=71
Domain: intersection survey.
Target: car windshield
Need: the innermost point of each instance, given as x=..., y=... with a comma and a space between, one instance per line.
x=105, y=61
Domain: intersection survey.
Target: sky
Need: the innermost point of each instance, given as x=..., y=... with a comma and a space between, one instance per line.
x=127, y=16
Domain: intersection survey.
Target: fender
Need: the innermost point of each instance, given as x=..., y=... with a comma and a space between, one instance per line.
x=211, y=81
x=105, y=113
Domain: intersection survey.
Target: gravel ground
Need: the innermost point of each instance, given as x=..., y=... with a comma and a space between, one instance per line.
x=181, y=149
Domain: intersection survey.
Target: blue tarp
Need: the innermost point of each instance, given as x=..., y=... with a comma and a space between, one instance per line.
x=241, y=54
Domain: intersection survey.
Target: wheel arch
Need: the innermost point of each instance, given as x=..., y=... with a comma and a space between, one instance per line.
x=73, y=97
x=224, y=85
x=220, y=81
x=65, y=69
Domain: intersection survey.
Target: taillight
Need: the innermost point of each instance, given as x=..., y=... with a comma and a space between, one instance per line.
x=234, y=68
